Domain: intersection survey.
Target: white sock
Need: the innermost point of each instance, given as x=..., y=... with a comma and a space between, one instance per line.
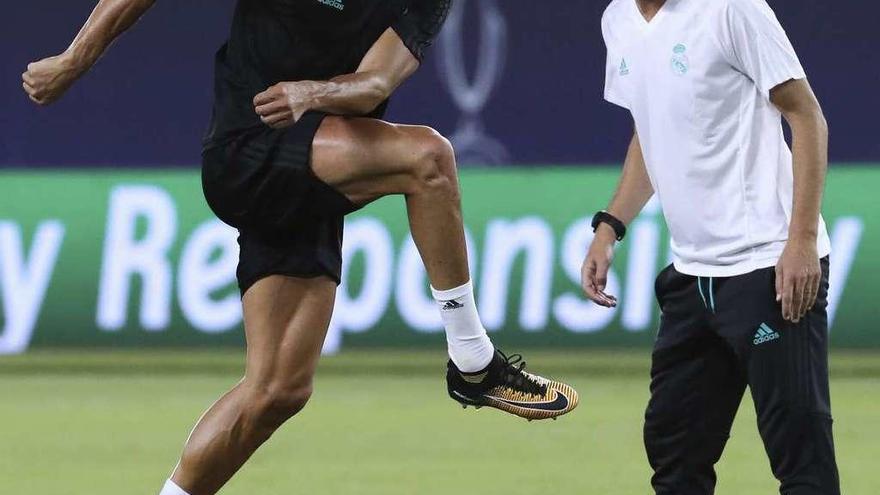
x=469, y=345
x=171, y=488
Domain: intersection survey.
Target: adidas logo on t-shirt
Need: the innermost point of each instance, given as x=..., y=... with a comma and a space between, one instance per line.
x=336, y=4
x=765, y=334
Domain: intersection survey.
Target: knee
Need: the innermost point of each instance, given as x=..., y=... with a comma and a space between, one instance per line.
x=433, y=160
x=667, y=427
x=273, y=404
x=664, y=417
x=679, y=442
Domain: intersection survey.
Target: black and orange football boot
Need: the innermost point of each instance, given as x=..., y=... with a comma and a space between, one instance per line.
x=505, y=385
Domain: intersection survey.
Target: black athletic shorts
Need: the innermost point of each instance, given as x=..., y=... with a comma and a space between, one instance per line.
x=719, y=335
x=289, y=221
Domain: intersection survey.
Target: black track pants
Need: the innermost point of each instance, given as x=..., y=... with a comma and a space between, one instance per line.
x=717, y=336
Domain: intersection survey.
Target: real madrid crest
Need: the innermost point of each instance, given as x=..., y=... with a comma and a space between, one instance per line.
x=680, y=61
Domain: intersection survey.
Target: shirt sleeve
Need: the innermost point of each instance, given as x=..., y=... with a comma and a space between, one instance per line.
x=420, y=22
x=757, y=46
x=615, y=69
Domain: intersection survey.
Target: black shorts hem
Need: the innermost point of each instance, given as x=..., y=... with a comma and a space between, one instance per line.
x=246, y=284
x=336, y=200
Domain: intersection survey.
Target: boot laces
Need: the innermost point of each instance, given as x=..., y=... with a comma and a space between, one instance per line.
x=515, y=376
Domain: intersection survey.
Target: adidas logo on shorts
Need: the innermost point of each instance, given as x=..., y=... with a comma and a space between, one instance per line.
x=765, y=334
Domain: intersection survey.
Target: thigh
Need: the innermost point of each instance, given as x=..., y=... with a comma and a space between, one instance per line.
x=262, y=182
x=691, y=368
x=366, y=159
x=786, y=363
x=696, y=389
x=286, y=320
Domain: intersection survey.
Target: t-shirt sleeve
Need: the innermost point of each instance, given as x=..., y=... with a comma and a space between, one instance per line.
x=756, y=44
x=615, y=69
x=420, y=22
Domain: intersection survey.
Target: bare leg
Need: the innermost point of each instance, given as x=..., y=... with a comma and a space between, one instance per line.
x=366, y=159
x=286, y=320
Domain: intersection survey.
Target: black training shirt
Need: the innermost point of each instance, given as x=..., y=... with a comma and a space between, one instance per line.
x=294, y=40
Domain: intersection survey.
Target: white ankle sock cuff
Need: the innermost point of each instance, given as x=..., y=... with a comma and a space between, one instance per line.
x=454, y=293
x=171, y=488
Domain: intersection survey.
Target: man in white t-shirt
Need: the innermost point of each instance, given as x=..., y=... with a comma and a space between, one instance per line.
x=743, y=304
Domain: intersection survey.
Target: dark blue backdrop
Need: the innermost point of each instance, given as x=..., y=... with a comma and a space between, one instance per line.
x=537, y=99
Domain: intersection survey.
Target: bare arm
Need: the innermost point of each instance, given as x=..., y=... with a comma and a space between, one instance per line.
x=46, y=80
x=633, y=192
x=384, y=68
x=634, y=188
x=798, y=273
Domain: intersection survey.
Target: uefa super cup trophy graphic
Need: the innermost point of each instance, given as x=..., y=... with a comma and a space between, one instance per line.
x=472, y=143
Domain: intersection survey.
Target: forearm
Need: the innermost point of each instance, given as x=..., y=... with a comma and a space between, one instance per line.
x=383, y=69
x=350, y=94
x=633, y=191
x=634, y=188
x=108, y=20
x=385, y=66
x=810, y=165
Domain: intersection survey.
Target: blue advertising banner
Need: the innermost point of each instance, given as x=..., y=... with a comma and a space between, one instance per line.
x=512, y=81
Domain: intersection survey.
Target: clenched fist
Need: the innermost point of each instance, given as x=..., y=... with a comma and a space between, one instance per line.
x=46, y=80
x=285, y=103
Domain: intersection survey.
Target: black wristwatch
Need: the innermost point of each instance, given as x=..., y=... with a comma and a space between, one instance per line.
x=612, y=221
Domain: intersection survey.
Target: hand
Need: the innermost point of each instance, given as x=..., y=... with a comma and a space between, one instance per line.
x=284, y=104
x=594, y=272
x=46, y=80
x=798, y=276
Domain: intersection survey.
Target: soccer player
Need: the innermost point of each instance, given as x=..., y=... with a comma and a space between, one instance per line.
x=296, y=142
x=743, y=304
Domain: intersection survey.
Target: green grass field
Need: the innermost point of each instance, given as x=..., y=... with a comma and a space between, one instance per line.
x=93, y=422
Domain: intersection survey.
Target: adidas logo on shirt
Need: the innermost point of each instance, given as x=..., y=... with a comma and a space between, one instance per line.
x=336, y=4
x=765, y=334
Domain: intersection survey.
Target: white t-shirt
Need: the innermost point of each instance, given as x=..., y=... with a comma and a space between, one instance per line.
x=697, y=81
